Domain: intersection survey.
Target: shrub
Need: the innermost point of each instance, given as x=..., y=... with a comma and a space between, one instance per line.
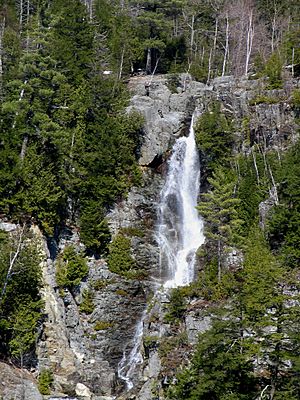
x=71, y=268
x=121, y=292
x=273, y=70
x=87, y=305
x=120, y=259
x=102, y=325
x=100, y=284
x=177, y=306
x=263, y=99
x=173, y=82
x=45, y=381
x=214, y=137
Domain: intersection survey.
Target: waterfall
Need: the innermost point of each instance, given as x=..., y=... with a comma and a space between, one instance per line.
x=180, y=230
x=128, y=363
x=179, y=234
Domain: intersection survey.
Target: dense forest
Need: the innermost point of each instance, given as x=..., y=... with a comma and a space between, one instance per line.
x=69, y=151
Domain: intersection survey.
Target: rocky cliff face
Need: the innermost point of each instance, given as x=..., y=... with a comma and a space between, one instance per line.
x=84, y=350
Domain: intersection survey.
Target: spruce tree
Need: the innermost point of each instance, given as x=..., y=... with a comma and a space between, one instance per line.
x=219, y=209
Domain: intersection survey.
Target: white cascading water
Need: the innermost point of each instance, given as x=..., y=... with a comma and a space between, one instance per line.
x=179, y=234
x=129, y=361
x=180, y=230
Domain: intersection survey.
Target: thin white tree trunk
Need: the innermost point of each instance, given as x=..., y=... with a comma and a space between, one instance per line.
x=226, y=45
x=149, y=61
x=192, y=34
x=27, y=24
x=255, y=166
x=250, y=35
x=215, y=37
x=12, y=261
x=121, y=63
x=21, y=15
x=273, y=29
x=274, y=187
x=20, y=99
x=24, y=148
x=209, y=65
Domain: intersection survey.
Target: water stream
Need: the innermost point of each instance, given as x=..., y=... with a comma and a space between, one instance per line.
x=180, y=230
x=179, y=234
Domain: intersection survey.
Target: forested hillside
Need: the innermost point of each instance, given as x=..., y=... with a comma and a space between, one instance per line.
x=69, y=151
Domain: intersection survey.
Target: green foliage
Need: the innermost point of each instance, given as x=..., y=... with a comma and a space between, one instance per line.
x=20, y=301
x=150, y=342
x=214, y=137
x=102, y=325
x=100, y=284
x=176, y=307
x=45, y=380
x=173, y=83
x=199, y=72
x=120, y=260
x=220, y=369
x=87, y=305
x=122, y=292
x=250, y=192
x=273, y=70
x=219, y=208
x=132, y=231
x=296, y=102
x=250, y=327
x=71, y=268
x=260, y=99
x=94, y=228
x=284, y=228
x=72, y=39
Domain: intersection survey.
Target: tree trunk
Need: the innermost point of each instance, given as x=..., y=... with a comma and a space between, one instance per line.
x=23, y=149
x=149, y=61
x=209, y=65
x=255, y=166
x=12, y=261
x=21, y=15
x=226, y=45
x=219, y=261
x=121, y=63
x=250, y=34
x=27, y=24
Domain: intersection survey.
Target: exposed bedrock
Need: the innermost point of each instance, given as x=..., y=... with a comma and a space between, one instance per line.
x=83, y=350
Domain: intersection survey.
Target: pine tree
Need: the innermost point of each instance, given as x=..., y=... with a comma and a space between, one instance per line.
x=219, y=209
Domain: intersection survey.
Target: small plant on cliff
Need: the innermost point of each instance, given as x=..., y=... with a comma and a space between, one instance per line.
x=87, y=305
x=45, y=381
x=71, y=268
x=120, y=259
x=177, y=307
x=273, y=70
x=102, y=325
x=214, y=137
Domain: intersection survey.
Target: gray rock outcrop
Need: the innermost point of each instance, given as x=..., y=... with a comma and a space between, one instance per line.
x=83, y=350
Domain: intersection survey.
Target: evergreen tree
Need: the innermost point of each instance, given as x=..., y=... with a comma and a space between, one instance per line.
x=214, y=138
x=219, y=208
